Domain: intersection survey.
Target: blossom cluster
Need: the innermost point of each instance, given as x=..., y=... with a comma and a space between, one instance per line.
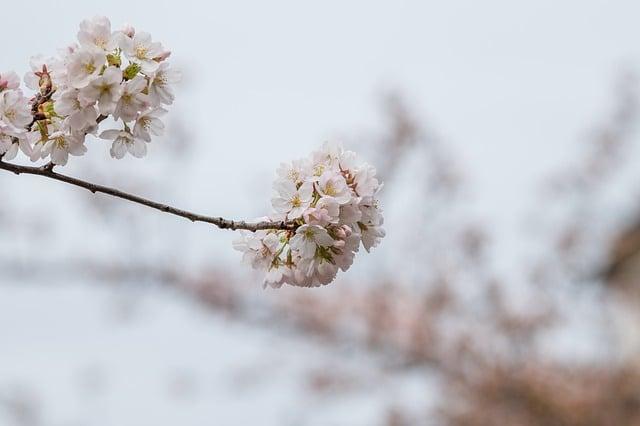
x=15, y=117
x=123, y=75
x=331, y=197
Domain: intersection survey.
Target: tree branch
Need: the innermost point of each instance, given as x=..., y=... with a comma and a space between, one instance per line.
x=47, y=171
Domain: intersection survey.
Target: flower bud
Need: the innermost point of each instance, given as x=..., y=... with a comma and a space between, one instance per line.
x=45, y=83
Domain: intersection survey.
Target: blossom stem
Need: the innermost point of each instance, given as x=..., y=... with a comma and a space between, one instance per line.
x=47, y=171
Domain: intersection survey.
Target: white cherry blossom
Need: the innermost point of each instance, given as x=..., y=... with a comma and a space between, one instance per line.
x=160, y=88
x=84, y=65
x=143, y=51
x=122, y=75
x=132, y=99
x=149, y=123
x=31, y=78
x=308, y=238
x=292, y=200
x=79, y=115
x=123, y=142
x=106, y=90
x=294, y=171
x=259, y=248
x=366, y=184
x=12, y=140
x=61, y=144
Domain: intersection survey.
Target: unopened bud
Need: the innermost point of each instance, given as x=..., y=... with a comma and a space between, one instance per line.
x=45, y=83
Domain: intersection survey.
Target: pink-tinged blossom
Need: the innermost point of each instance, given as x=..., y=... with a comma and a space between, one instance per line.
x=14, y=109
x=9, y=81
x=96, y=33
x=326, y=211
x=332, y=185
x=320, y=194
x=31, y=78
x=128, y=30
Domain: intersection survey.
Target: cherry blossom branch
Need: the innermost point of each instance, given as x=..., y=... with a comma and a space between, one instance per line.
x=47, y=171
x=329, y=197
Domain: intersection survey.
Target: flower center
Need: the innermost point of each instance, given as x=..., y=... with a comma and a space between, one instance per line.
x=296, y=201
x=60, y=142
x=100, y=42
x=89, y=68
x=160, y=80
x=105, y=88
x=145, y=122
x=294, y=175
x=330, y=190
x=141, y=52
x=125, y=140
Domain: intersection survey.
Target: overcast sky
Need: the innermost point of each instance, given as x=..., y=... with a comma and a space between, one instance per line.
x=510, y=87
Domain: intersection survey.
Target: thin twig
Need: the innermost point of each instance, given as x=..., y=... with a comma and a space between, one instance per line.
x=47, y=171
